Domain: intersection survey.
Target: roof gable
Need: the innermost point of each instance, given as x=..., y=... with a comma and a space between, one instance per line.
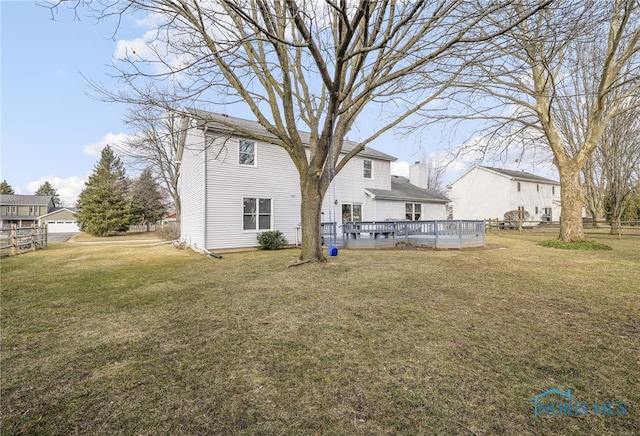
x=253, y=129
x=57, y=210
x=403, y=190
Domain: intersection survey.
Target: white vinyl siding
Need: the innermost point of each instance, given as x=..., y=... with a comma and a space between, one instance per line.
x=192, y=190
x=228, y=184
x=348, y=188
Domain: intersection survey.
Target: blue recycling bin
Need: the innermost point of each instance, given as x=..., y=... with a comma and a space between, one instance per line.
x=333, y=250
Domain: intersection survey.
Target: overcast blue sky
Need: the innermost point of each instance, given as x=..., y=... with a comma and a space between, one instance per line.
x=51, y=128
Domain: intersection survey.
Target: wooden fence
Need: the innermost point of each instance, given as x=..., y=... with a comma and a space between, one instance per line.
x=493, y=224
x=17, y=240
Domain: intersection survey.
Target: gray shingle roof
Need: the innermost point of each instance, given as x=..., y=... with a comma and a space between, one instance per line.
x=24, y=200
x=520, y=175
x=253, y=129
x=402, y=190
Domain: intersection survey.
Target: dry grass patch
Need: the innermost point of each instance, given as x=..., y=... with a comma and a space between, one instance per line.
x=144, y=340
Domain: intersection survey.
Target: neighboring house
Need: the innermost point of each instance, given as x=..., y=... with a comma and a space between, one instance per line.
x=170, y=219
x=233, y=186
x=61, y=220
x=488, y=193
x=23, y=210
x=27, y=210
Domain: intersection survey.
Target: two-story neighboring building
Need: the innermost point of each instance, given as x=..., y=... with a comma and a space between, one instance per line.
x=233, y=186
x=23, y=210
x=27, y=210
x=488, y=193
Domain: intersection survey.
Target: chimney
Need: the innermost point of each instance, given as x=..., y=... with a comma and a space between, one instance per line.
x=418, y=175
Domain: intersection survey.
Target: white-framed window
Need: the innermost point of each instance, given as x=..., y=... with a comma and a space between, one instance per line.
x=257, y=214
x=33, y=210
x=247, y=153
x=12, y=210
x=367, y=166
x=553, y=190
x=351, y=212
x=413, y=211
x=519, y=187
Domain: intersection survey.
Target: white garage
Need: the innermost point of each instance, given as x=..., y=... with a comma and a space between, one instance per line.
x=62, y=227
x=61, y=220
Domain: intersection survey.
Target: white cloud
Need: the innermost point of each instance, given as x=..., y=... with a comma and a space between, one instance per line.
x=151, y=50
x=400, y=168
x=69, y=188
x=115, y=140
x=152, y=20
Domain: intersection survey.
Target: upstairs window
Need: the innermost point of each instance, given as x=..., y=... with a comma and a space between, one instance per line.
x=368, y=168
x=553, y=190
x=256, y=214
x=247, y=153
x=519, y=187
x=413, y=211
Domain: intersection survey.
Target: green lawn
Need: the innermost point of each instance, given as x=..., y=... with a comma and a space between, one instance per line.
x=148, y=339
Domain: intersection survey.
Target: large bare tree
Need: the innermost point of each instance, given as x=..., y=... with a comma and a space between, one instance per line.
x=619, y=159
x=310, y=65
x=611, y=174
x=557, y=80
x=154, y=145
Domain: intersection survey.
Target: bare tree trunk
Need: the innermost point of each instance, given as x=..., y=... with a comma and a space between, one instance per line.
x=310, y=213
x=572, y=201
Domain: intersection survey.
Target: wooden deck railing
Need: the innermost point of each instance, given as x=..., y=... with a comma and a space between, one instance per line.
x=439, y=233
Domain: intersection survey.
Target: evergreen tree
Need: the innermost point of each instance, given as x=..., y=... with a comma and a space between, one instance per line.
x=6, y=188
x=103, y=206
x=47, y=189
x=147, y=199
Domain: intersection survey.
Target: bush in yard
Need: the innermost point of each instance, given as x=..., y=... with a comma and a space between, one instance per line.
x=272, y=240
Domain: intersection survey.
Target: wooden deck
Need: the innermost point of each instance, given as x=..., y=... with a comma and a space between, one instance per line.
x=439, y=234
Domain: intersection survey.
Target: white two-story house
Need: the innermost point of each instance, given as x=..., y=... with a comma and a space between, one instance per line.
x=233, y=187
x=488, y=193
